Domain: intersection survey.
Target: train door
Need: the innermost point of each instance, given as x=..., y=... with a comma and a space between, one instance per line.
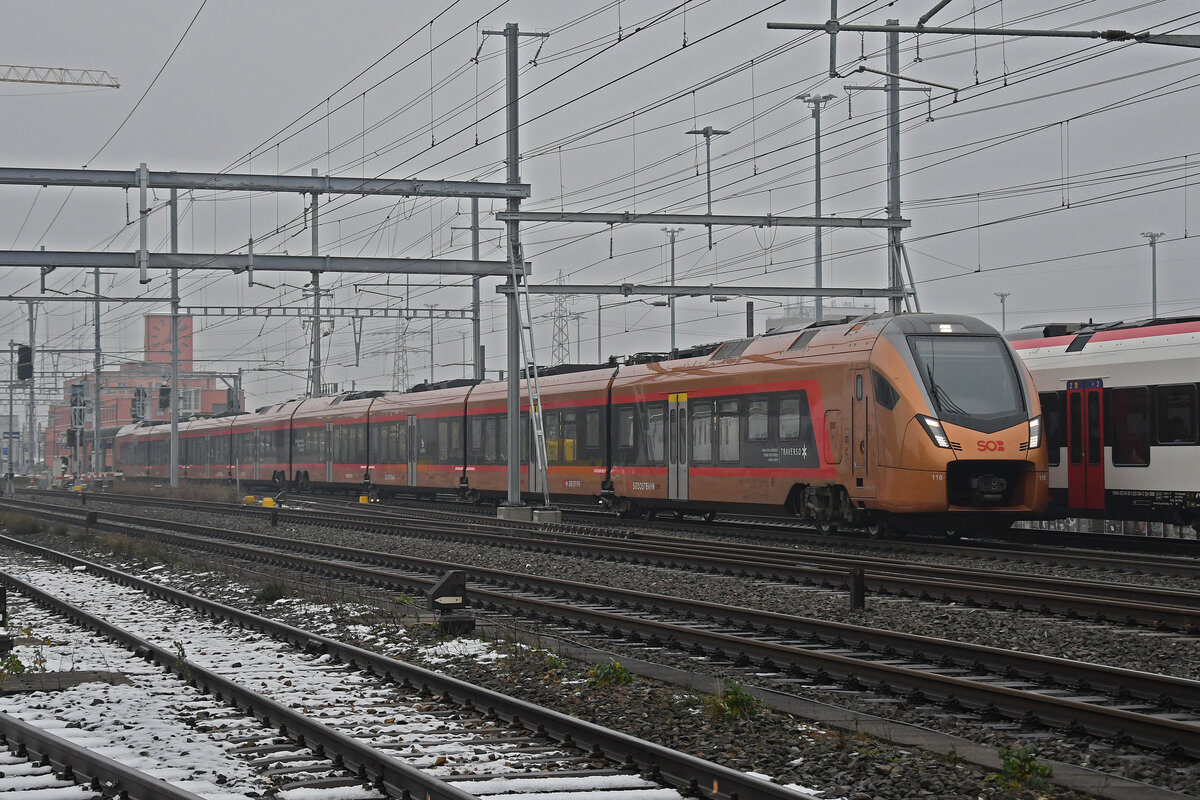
x=860, y=438
x=412, y=450
x=253, y=455
x=1085, y=444
x=327, y=477
x=535, y=474
x=677, y=447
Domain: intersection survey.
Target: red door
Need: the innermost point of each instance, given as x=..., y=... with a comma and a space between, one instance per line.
x=1085, y=444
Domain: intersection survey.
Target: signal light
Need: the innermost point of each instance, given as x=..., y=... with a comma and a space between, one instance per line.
x=24, y=362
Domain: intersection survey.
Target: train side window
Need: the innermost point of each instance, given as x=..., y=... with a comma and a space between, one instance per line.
x=656, y=432
x=673, y=435
x=476, y=435
x=1176, y=418
x=1130, y=413
x=789, y=418
x=885, y=394
x=1052, y=425
x=702, y=433
x=858, y=387
x=502, y=439
x=756, y=428
x=625, y=428
x=1075, y=416
x=591, y=430
x=553, y=436
x=443, y=440
x=729, y=425
x=570, y=437
x=489, y=440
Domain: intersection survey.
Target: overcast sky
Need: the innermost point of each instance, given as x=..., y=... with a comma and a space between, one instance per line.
x=1036, y=178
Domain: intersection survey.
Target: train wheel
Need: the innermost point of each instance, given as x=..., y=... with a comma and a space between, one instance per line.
x=827, y=528
x=679, y=516
x=952, y=536
x=879, y=530
x=709, y=516
x=650, y=514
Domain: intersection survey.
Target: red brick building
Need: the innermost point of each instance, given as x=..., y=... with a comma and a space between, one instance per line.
x=132, y=392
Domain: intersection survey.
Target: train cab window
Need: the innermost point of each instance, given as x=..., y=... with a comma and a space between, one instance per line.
x=885, y=394
x=656, y=433
x=1052, y=424
x=729, y=431
x=625, y=428
x=1129, y=411
x=702, y=433
x=756, y=428
x=1176, y=417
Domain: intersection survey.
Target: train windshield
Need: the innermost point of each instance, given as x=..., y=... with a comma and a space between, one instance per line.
x=972, y=380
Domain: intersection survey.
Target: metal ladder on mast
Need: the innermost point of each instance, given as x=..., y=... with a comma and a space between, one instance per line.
x=529, y=360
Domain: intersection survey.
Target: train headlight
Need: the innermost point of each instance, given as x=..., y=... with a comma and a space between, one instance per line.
x=934, y=428
x=1035, y=433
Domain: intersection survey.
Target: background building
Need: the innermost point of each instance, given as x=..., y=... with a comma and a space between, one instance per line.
x=133, y=392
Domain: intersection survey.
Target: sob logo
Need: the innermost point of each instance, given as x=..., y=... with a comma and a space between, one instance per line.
x=990, y=446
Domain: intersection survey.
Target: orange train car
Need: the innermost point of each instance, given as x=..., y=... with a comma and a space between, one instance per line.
x=884, y=421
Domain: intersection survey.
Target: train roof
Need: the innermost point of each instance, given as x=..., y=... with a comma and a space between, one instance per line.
x=1076, y=336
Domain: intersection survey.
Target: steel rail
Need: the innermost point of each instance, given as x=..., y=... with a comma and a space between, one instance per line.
x=83, y=766
x=689, y=773
x=598, y=523
x=1148, y=730
x=383, y=771
x=1129, y=603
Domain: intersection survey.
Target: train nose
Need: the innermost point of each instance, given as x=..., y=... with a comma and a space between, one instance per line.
x=989, y=488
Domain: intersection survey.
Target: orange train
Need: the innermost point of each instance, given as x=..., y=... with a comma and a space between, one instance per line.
x=882, y=421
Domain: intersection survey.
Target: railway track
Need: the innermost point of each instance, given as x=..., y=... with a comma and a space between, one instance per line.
x=1154, y=711
x=777, y=536
x=324, y=716
x=1127, y=603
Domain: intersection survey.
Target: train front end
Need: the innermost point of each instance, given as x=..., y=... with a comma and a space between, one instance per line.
x=971, y=442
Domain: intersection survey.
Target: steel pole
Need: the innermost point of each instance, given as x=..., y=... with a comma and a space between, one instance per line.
x=175, y=394
x=513, y=175
x=30, y=448
x=893, y=156
x=315, y=390
x=8, y=484
x=476, y=343
x=97, y=428
x=816, y=113
x=1154, y=278
x=599, y=331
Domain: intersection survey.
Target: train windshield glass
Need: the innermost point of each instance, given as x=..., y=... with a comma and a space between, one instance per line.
x=971, y=379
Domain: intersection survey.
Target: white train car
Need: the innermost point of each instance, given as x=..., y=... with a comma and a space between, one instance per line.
x=1119, y=403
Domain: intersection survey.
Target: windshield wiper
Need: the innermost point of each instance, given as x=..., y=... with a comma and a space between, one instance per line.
x=943, y=400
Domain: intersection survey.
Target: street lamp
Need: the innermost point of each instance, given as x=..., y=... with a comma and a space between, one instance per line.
x=1003, y=296
x=1153, y=237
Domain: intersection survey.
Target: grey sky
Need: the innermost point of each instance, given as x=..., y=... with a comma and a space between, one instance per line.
x=1037, y=181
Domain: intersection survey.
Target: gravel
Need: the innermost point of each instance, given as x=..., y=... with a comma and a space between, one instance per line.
x=790, y=750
